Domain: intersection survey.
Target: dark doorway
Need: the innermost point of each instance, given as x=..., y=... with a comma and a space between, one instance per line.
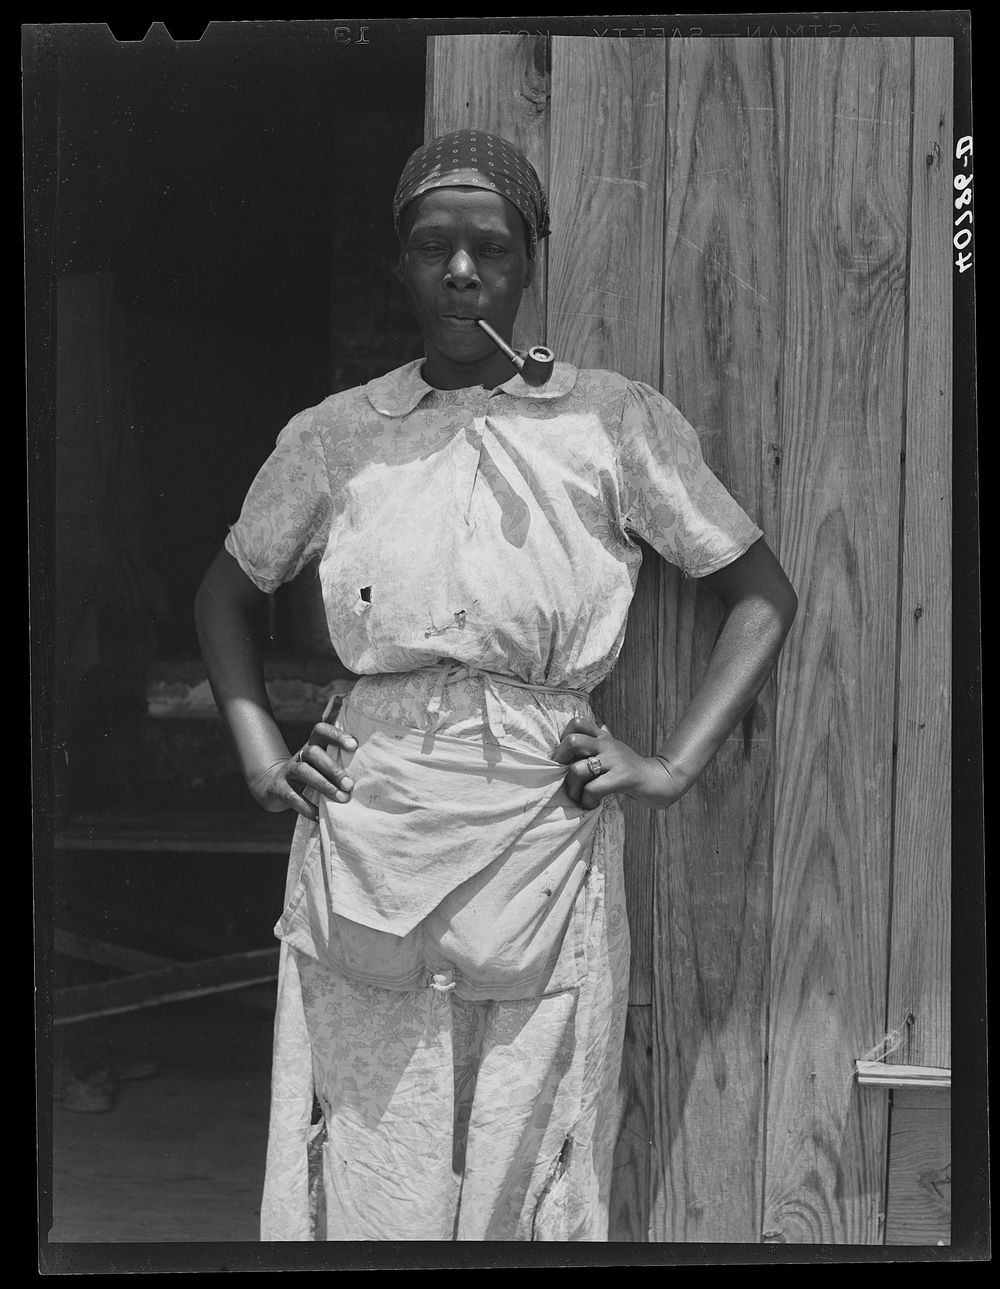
x=223, y=257
x=210, y=251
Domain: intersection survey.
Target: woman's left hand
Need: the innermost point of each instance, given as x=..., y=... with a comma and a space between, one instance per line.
x=600, y=766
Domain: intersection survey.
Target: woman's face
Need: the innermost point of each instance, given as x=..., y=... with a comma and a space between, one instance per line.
x=464, y=256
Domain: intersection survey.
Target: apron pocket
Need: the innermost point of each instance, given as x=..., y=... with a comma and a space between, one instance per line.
x=518, y=929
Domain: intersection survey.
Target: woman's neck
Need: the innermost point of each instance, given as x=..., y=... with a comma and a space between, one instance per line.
x=442, y=373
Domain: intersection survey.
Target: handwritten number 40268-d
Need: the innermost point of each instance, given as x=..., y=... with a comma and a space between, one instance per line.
x=963, y=204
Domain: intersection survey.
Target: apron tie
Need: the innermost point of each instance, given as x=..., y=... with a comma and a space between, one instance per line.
x=436, y=698
x=454, y=670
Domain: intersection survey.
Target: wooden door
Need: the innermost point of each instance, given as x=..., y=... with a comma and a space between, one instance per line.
x=761, y=229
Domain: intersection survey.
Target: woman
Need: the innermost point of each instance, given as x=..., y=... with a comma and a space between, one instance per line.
x=454, y=969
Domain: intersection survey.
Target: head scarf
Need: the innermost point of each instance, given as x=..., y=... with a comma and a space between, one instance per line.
x=472, y=159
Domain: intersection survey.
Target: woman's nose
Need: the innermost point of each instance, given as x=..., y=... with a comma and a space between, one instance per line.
x=461, y=271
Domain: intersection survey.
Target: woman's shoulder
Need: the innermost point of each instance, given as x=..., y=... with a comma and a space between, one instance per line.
x=335, y=406
x=623, y=396
x=596, y=389
x=337, y=417
x=600, y=378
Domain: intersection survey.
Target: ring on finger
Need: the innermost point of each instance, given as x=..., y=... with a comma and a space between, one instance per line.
x=299, y=754
x=595, y=766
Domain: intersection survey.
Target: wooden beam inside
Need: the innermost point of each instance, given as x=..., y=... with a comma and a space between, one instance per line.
x=169, y=984
x=184, y=833
x=86, y=949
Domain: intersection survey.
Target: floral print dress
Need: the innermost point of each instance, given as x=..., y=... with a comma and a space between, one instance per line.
x=454, y=970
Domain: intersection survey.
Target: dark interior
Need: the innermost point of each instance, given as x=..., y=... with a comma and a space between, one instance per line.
x=223, y=257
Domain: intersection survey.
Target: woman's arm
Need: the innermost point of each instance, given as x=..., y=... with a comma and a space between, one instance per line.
x=224, y=614
x=760, y=605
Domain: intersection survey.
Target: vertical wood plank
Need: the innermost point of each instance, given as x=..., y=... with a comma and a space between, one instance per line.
x=722, y=344
x=629, y=1216
x=626, y=703
x=605, y=274
x=918, y=1195
x=919, y=972
x=499, y=84
x=847, y=211
x=605, y=268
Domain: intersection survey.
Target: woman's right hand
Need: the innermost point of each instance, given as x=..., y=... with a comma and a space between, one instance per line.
x=282, y=784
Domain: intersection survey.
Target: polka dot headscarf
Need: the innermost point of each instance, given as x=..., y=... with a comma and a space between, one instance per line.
x=472, y=159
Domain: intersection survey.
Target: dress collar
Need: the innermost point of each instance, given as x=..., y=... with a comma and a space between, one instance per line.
x=400, y=391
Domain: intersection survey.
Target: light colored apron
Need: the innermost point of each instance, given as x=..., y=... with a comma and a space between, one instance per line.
x=456, y=862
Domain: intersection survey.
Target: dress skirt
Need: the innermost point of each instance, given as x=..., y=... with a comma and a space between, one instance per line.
x=417, y=1114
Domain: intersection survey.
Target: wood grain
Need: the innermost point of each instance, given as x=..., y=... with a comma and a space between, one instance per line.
x=918, y=1203
x=605, y=274
x=919, y=968
x=629, y=1217
x=847, y=211
x=606, y=194
x=499, y=84
x=722, y=342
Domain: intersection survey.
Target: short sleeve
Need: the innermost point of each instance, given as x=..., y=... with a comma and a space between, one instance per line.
x=671, y=499
x=285, y=518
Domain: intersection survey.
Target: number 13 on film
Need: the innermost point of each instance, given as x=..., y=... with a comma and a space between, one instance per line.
x=963, y=204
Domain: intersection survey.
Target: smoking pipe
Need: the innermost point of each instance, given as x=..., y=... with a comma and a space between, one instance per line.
x=535, y=366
